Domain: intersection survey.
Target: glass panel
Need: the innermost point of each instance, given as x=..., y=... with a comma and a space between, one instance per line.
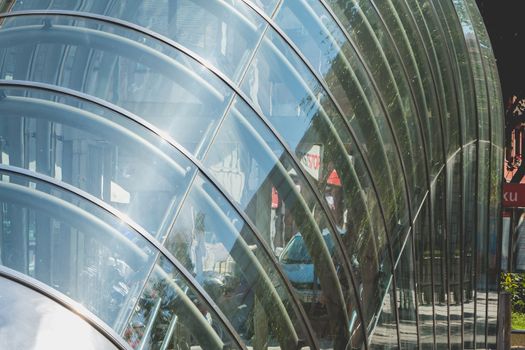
x=400, y=22
x=470, y=200
x=169, y=314
x=425, y=270
x=212, y=242
x=120, y=66
x=324, y=45
x=482, y=243
x=496, y=164
x=268, y=6
x=493, y=269
x=253, y=168
x=406, y=297
x=434, y=36
x=477, y=67
x=440, y=261
x=222, y=32
x=454, y=238
x=37, y=322
x=318, y=135
x=384, y=333
x=375, y=45
x=72, y=246
x=97, y=151
x=449, y=19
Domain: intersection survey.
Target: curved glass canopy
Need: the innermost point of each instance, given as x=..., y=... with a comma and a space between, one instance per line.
x=252, y=174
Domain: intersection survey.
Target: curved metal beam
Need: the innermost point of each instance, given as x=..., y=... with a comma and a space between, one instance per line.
x=207, y=174
x=67, y=303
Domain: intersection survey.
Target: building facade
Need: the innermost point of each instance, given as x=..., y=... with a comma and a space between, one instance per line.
x=248, y=174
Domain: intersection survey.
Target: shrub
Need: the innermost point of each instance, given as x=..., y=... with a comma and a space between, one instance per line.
x=514, y=283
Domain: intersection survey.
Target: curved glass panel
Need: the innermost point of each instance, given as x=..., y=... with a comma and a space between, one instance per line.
x=37, y=322
x=384, y=333
x=212, y=242
x=222, y=32
x=89, y=255
x=377, y=49
x=169, y=314
x=120, y=66
x=95, y=150
x=448, y=16
x=324, y=45
x=345, y=75
x=470, y=200
x=482, y=244
x=322, y=153
x=73, y=246
x=254, y=169
x=409, y=42
x=430, y=27
x=478, y=69
x=424, y=256
x=440, y=266
x=406, y=297
x=455, y=248
x=267, y=6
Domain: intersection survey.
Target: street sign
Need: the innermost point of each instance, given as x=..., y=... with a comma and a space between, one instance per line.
x=513, y=195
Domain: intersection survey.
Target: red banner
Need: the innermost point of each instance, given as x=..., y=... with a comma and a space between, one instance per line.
x=513, y=195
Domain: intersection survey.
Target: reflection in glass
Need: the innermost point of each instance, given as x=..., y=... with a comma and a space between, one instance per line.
x=425, y=269
x=365, y=27
x=455, y=241
x=429, y=25
x=482, y=243
x=224, y=33
x=493, y=268
x=97, y=151
x=169, y=314
x=440, y=262
x=470, y=200
x=463, y=72
x=36, y=322
x=253, y=168
x=411, y=47
x=211, y=241
x=72, y=246
x=120, y=66
x=323, y=43
x=384, y=334
x=406, y=297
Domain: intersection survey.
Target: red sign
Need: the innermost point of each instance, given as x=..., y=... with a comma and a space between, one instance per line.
x=513, y=195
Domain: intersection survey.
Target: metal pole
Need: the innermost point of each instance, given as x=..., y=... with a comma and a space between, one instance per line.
x=503, y=340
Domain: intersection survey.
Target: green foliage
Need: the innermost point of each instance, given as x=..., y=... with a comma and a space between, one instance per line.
x=518, y=321
x=514, y=283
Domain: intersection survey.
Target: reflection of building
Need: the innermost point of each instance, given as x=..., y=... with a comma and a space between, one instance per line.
x=156, y=156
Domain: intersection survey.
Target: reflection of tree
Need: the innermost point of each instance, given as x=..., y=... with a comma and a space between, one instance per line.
x=179, y=245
